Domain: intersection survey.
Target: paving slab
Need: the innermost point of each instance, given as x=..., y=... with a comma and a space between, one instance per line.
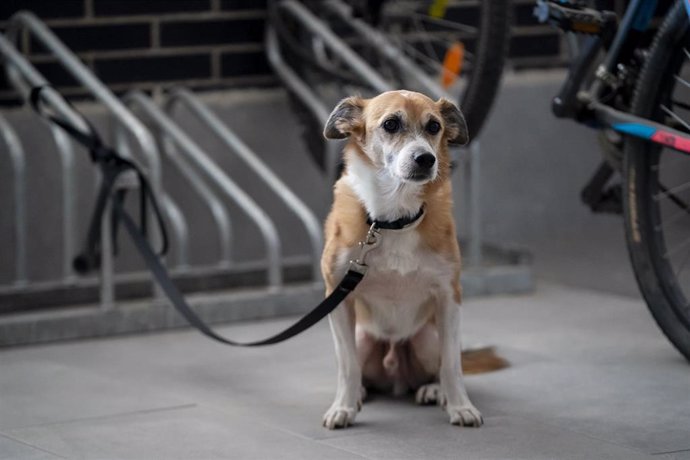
x=500, y=438
x=591, y=376
x=11, y=448
x=34, y=393
x=183, y=433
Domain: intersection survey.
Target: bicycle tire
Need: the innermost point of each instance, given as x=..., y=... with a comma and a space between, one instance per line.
x=491, y=51
x=646, y=246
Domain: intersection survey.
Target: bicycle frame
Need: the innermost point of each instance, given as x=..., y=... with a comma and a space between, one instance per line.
x=587, y=107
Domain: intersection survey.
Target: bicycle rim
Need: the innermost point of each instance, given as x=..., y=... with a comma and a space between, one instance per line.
x=657, y=197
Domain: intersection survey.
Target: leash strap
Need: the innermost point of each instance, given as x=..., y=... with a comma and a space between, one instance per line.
x=112, y=165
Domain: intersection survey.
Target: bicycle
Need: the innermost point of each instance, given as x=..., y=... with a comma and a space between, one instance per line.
x=632, y=95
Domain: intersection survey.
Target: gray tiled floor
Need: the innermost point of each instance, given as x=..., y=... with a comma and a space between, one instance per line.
x=591, y=377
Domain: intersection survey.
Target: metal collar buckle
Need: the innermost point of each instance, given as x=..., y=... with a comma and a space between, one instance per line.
x=371, y=241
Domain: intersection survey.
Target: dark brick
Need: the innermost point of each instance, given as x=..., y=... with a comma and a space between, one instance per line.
x=523, y=15
x=233, y=5
x=467, y=15
x=248, y=63
x=139, y=7
x=45, y=9
x=215, y=32
x=56, y=74
x=154, y=68
x=101, y=37
x=535, y=45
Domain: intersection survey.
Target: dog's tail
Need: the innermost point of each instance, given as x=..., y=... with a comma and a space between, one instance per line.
x=481, y=360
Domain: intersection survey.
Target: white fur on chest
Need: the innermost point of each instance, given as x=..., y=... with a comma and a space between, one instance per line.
x=402, y=278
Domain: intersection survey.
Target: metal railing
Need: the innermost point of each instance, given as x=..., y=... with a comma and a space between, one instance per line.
x=132, y=138
x=195, y=156
x=23, y=77
x=252, y=160
x=18, y=160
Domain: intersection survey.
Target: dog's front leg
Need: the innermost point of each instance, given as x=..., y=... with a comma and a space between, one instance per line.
x=348, y=392
x=457, y=404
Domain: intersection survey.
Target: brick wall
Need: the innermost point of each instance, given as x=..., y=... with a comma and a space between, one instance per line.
x=198, y=43
x=149, y=43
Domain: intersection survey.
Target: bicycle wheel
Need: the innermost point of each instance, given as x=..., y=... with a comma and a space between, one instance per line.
x=433, y=33
x=465, y=44
x=656, y=201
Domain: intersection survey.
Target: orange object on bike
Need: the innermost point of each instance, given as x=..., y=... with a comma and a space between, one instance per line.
x=452, y=63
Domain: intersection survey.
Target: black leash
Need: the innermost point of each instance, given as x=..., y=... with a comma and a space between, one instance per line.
x=112, y=165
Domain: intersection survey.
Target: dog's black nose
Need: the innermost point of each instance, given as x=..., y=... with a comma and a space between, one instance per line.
x=425, y=160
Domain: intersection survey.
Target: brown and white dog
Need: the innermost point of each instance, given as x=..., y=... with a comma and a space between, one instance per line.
x=400, y=329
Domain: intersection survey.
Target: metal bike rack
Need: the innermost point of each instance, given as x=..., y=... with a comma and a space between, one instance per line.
x=195, y=156
x=364, y=70
x=252, y=160
x=66, y=157
x=23, y=76
x=17, y=157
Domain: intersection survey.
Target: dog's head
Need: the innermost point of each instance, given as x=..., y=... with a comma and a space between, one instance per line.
x=402, y=131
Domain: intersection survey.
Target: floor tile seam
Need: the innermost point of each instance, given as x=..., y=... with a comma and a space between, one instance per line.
x=544, y=423
x=21, y=441
x=324, y=442
x=679, y=451
x=107, y=416
x=283, y=430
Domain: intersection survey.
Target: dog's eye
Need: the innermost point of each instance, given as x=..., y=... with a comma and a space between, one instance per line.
x=391, y=125
x=433, y=127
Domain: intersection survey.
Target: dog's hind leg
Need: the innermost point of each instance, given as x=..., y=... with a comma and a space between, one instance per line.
x=425, y=359
x=348, y=391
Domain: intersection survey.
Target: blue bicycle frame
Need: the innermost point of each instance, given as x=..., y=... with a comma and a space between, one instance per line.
x=571, y=102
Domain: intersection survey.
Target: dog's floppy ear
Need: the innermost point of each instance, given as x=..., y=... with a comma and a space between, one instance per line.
x=345, y=118
x=456, y=128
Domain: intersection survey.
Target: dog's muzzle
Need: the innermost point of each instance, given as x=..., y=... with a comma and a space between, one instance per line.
x=423, y=166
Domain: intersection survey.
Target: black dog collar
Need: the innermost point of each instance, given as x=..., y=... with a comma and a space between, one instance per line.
x=397, y=224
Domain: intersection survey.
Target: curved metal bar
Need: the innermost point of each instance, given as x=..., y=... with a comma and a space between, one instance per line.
x=292, y=80
x=198, y=157
x=305, y=93
x=235, y=144
x=318, y=27
x=173, y=214
x=16, y=152
x=69, y=227
x=218, y=212
x=23, y=76
x=386, y=48
x=72, y=64
x=181, y=229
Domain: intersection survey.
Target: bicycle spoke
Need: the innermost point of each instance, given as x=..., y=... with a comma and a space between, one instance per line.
x=681, y=81
x=675, y=117
x=671, y=194
x=682, y=105
x=674, y=218
x=682, y=263
x=427, y=41
x=676, y=248
x=434, y=64
x=445, y=23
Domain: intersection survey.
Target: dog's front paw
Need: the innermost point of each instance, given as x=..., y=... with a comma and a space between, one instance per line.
x=339, y=416
x=465, y=415
x=430, y=394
